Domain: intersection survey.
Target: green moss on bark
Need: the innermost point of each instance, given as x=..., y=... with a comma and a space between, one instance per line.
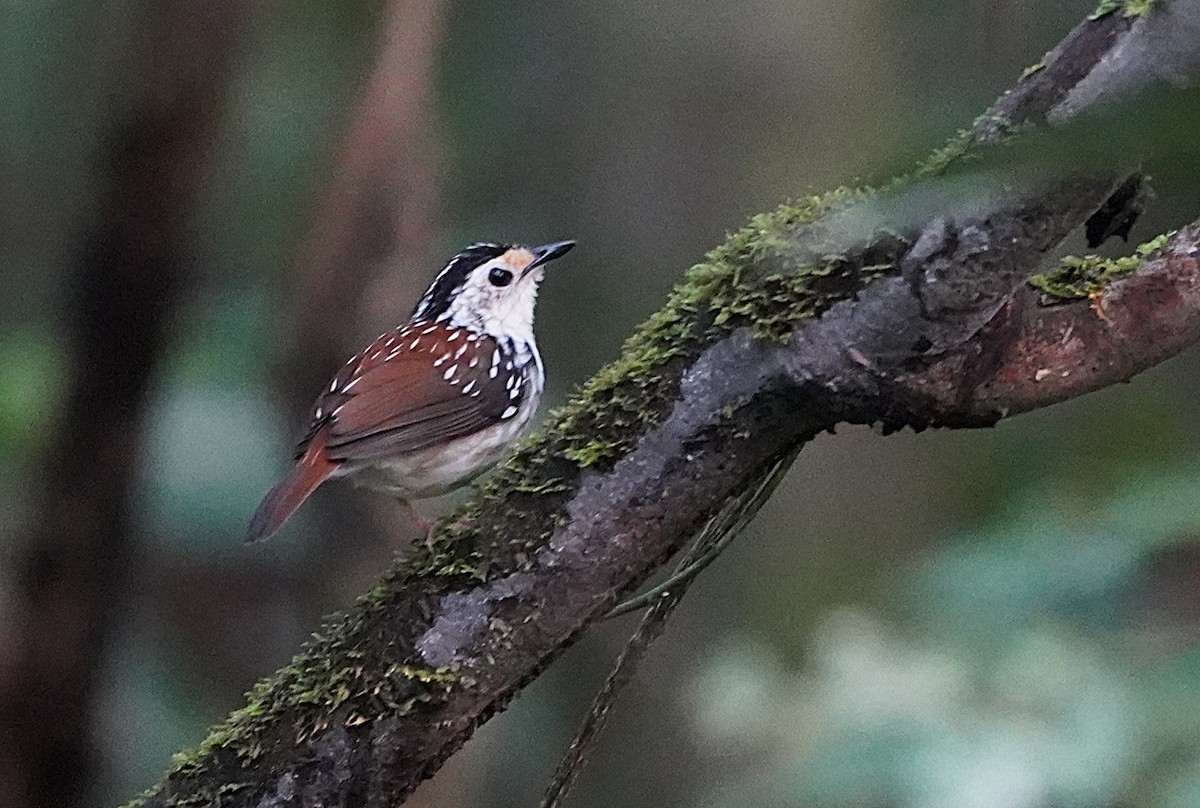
x=1130, y=8
x=1078, y=277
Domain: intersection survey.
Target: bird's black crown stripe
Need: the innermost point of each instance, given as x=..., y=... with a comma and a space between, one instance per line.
x=441, y=291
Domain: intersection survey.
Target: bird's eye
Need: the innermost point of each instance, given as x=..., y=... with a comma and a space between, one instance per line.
x=500, y=277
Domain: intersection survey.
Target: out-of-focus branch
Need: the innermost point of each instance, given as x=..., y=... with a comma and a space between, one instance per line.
x=805, y=319
x=126, y=284
x=376, y=218
x=370, y=241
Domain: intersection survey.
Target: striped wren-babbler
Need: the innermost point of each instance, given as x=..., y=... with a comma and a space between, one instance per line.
x=434, y=403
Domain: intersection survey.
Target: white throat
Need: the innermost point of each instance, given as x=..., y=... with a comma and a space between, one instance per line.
x=508, y=315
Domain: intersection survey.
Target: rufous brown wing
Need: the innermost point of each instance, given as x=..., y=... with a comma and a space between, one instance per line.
x=403, y=398
x=416, y=387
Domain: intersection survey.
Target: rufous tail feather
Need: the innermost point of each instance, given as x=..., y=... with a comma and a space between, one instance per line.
x=312, y=469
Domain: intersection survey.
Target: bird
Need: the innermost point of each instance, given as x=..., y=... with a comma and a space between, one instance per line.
x=435, y=402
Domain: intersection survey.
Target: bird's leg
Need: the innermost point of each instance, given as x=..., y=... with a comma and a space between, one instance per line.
x=425, y=526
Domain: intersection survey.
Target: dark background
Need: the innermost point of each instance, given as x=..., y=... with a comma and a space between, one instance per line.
x=198, y=224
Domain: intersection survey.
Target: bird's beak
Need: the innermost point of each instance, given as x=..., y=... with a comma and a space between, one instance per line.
x=548, y=252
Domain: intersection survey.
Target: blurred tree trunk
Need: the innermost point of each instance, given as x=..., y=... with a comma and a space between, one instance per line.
x=126, y=285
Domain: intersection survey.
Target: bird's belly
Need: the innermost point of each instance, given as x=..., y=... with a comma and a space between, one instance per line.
x=440, y=469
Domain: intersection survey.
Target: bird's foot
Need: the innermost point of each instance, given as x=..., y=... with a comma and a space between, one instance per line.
x=424, y=526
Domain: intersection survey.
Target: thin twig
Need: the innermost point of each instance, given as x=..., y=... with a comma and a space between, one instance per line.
x=662, y=600
x=682, y=575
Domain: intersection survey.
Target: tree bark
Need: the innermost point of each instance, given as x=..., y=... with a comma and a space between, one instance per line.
x=903, y=306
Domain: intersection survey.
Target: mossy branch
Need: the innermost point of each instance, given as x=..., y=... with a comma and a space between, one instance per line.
x=854, y=305
x=1086, y=324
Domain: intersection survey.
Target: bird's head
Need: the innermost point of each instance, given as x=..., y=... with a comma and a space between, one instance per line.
x=491, y=288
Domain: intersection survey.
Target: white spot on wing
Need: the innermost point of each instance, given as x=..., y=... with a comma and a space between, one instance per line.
x=470, y=386
x=509, y=412
x=449, y=372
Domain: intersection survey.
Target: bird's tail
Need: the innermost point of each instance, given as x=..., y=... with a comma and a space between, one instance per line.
x=312, y=469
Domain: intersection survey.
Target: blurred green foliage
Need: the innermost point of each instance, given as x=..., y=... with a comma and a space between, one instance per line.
x=30, y=388
x=1046, y=659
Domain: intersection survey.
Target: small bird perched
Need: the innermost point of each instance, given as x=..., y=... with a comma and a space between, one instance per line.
x=434, y=403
